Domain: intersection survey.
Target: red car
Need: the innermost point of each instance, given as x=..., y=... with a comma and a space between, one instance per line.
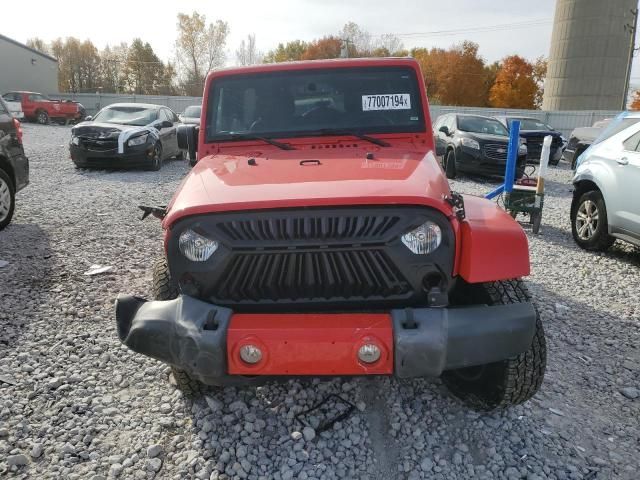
x=317, y=235
x=39, y=108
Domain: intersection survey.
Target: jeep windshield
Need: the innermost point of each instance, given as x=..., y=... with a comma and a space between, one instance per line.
x=135, y=116
x=298, y=103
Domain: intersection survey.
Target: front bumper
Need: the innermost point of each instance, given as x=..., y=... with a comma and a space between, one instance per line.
x=131, y=158
x=203, y=339
x=476, y=162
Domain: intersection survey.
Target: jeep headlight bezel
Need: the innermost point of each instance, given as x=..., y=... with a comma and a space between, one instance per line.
x=424, y=239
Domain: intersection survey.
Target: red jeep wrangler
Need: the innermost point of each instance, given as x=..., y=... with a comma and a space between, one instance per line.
x=40, y=108
x=317, y=235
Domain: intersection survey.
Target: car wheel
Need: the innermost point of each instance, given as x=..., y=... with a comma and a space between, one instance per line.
x=156, y=158
x=164, y=288
x=589, y=224
x=509, y=382
x=42, y=117
x=7, y=199
x=450, y=164
x=574, y=162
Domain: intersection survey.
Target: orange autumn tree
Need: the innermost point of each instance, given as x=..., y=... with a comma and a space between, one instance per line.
x=635, y=101
x=456, y=76
x=327, y=47
x=515, y=85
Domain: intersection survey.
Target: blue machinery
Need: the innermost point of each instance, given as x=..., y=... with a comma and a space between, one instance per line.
x=527, y=199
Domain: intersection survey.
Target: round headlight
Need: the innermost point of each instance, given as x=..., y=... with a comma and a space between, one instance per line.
x=196, y=247
x=424, y=239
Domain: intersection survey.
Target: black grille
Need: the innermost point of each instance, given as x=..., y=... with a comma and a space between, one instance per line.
x=534, y=147
x=310, y=228
x=310, y=258
x=495, y=151
x=99, y=145
x=311, y=276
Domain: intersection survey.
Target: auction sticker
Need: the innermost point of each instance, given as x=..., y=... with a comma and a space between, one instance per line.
x=387, y=101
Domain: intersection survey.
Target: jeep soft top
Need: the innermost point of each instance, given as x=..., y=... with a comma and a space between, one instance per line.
x=317, y=235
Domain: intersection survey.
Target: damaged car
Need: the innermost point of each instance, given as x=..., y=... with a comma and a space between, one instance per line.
x=126, y=135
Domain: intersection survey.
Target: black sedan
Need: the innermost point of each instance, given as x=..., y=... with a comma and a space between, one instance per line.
x=474, y=144
x=126, y=135
x=533, y=131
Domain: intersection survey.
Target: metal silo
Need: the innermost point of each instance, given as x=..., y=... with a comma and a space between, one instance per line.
x=590, y=47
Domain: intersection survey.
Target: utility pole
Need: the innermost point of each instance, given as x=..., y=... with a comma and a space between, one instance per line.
x=631, y=28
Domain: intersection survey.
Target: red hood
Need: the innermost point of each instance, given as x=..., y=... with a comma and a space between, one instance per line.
x=344, y=176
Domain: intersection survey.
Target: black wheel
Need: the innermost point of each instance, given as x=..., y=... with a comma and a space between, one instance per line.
x=164, y=288
x=509, y=382
x=589, y=222
x=7, y=199
x=450, y=164
x=156, y=158
x=180, y=155
x=536, y=220
x=42, y=117
x=578, y=152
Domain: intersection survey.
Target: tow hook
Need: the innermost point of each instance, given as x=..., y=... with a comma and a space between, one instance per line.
x=158, y=212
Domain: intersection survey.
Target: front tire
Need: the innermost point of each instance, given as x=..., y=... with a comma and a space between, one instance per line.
x=450, y=165
x=164, y=288
x=156, y=158
x=7, y=199
x=589, y=224
x=508, y=382
x=42, y=117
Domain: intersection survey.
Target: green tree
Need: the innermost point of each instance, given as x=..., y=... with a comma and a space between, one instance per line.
x=200, y=47
x=144, y=72
x=289, y=52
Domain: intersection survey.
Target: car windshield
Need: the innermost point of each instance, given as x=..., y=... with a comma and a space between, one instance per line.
x=620, y=123
x=531, y=124
x=481, y=125
x=192, y=112
x=138, y=116
x=307, y=102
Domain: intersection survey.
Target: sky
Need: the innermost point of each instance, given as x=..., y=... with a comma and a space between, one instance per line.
x=500, y=27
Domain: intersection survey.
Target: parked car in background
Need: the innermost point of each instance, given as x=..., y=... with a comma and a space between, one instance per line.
x=15, y=108
x=191, y=115
x=580, y=139
x=14, y=165
x=533, y=131
x=126, y=135
x=40, y=108
x=474, y=144
x=606, y=199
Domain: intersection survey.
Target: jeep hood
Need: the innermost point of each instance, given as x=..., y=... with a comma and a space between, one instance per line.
x=310, y=178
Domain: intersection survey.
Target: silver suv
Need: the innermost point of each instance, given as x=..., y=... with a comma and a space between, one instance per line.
x=606, y=199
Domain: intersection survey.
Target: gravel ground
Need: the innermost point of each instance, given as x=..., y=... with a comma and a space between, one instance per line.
x=79, y=405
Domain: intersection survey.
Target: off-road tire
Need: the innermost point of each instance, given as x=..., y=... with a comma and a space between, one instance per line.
x=508, y=382
x=164, y=288
x=8, y=196
x=42, y=117
x=601, y=240
x=450, y=165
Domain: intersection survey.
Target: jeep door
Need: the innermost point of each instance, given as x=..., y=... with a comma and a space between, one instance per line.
x=626, y=201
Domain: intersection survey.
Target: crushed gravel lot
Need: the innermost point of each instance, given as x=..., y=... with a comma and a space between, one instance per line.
x=75, y=404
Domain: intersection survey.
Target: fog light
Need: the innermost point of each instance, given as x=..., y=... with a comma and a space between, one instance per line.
x=369, y=353
x=250, y=354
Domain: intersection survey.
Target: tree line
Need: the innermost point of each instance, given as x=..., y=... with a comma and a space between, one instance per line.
x=454, y=76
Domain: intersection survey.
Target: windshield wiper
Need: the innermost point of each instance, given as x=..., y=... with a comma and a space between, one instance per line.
x=248, y=136
x=344, y=131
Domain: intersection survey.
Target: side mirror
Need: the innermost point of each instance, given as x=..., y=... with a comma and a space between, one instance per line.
x=166, y=124
x=444, y=129
x=188, y=140
x=88, y=118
